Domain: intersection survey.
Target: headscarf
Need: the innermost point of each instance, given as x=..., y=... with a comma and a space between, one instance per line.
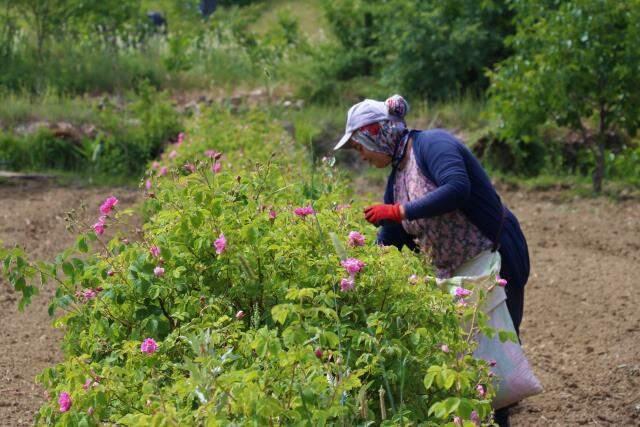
x=391, y=136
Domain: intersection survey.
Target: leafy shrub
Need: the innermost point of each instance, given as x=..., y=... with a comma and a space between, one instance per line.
x=429, y=48
x=571, y=68
x=255, y=329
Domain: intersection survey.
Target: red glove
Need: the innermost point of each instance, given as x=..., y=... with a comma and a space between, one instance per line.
x=377, y=213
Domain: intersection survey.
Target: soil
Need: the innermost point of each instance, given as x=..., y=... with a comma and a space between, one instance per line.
x=581, y=329
x=32, y=216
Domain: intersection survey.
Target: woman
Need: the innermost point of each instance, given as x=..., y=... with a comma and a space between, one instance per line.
x=438, y=198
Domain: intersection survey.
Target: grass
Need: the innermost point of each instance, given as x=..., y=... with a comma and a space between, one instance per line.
x=18, y=108
x=309, y=14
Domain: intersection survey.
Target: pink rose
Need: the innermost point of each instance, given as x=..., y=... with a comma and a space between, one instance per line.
x=99, y=226
x=148, y=346
x=462, y=292
x=303, y=212
x=155, y=251
x=475, y=418
x=220, y=244
x=347, y=284
x=190, y=167
x=155, y=165
x=444, y=348
x=356, y=239
x=64, y=400
x=352, y=265
x=107, y=205
x=212, y=154
x=163, y=171
x=240, y=314
x=158, y=271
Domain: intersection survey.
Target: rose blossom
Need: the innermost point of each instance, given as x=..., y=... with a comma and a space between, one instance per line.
x=64, y=401
x=107, y=205
x=147, y=185
x=155, y=251
x=457, y=421
x=163, y=171
x=240, y=314
x=462, y=292
x=352, y=265
x=356, y=239
x=90, y=382
x=444, y=348
x=99, y=226
x=475, y=418
x=155, y=165
x=213, y=154
x=158, y=271
x=190, y=167
x=220, y=244
x=149, y=346
x=303, y=212
x=347, y=284
x=480, y=389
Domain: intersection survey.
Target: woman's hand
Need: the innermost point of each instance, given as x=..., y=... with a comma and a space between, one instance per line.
x=377, y=213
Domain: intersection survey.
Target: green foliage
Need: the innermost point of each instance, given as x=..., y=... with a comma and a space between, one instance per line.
x=432, y=49
x=127, y=138
x=574, y=66
x=303, y=353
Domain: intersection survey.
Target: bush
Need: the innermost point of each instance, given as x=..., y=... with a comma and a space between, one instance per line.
x=571, y=68
x=260, y=328
x=432, y=49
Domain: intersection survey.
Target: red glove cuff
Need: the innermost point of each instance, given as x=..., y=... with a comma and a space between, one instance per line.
x=378, y=213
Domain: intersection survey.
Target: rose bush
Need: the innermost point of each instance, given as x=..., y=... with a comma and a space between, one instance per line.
x=250, y=320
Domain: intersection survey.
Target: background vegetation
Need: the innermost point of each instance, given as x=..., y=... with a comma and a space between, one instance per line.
x=559, y=77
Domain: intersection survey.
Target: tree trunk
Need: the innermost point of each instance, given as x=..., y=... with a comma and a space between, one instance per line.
x=598, y=172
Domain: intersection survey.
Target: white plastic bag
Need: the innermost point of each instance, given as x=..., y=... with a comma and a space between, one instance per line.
x=514, y=379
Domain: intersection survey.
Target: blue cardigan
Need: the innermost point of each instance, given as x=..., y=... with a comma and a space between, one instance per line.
x=462, y=184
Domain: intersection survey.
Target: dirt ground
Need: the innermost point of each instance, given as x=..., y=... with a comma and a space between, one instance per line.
x=32, y=215
x=581, y=329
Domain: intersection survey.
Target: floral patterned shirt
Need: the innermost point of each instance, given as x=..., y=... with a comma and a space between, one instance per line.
x=449, y=239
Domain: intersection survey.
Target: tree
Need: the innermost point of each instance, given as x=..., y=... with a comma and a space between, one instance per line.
x=47, y=17
x=577, y=65
x=429, y=48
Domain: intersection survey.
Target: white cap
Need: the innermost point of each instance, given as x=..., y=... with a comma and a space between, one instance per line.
x=362, y=114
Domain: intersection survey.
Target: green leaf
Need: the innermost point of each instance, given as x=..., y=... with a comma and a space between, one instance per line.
x=67, y=268
x=82, y=245
x=280, y=313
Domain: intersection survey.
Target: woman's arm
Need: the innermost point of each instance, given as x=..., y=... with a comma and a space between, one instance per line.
x=444, y=160
x=394, y=235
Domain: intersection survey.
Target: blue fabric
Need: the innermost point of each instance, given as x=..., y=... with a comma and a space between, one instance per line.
x=462, y=184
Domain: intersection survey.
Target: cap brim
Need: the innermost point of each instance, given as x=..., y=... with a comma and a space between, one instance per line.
x=343, y=140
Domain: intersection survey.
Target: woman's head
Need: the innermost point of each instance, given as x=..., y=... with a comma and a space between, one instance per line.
x=376, y=130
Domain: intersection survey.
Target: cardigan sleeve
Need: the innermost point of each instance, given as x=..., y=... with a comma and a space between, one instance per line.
x=447, y=166
x=394, y=235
